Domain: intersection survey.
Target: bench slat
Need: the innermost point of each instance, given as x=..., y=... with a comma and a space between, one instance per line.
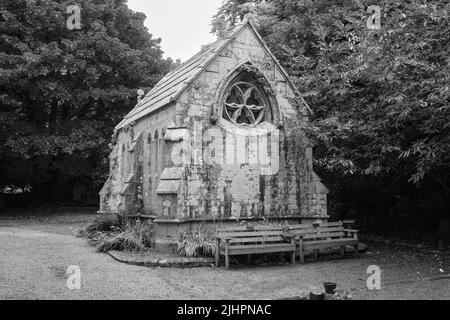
x=261, y=250
x=329, y=241
x=322, y=229
x=331, y=224
x=244, y=228
x=257, y=239
x=268, y=245
x=324, y=235
x=251, y=234
x=318, y=230
x=266, y=248
x=348, y=221
x=299, y=226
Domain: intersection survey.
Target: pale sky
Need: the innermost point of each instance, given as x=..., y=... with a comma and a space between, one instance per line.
x=183, y=25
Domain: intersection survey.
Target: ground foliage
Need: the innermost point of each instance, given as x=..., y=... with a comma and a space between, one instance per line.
x=114, y=232
x=199, y=243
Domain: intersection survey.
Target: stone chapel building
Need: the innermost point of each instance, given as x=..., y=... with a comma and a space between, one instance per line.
x=217, y=140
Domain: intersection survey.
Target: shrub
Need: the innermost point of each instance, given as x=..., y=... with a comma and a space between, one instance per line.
x=139, y=236
x=124, y=241
x=112, y=232
x=197, y=244
x=104, y=223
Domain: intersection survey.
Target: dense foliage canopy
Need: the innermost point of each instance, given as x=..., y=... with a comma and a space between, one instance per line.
x=62, y=90
x=381, y=97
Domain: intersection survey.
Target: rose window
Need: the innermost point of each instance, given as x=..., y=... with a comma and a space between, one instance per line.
x=244, y=104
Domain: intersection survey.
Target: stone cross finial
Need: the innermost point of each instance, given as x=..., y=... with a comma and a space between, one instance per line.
x=140, y=95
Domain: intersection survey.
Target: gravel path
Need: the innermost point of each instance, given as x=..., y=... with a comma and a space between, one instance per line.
x=35, y=254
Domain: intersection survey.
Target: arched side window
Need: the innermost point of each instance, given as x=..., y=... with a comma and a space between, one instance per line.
x=129, y=161
x=149, y=138
x=149, y=149
x=245, y=103
x=163, y=153
x=155, y=152
x=122, y=162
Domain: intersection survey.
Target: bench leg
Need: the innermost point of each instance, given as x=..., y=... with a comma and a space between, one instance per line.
x=249, y=258
x=227, y=257
x=343, y=251
x=217, y=252
x=300, y=253
x=356, y=251
x=294, y=244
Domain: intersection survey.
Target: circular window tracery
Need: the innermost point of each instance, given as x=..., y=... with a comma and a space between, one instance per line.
x=244, y=104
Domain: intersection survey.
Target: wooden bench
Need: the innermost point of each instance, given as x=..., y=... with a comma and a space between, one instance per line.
x=323, y=236
x=348, y=223
x=252, y=240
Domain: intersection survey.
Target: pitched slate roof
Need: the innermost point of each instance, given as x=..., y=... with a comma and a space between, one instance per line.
x=171, y=86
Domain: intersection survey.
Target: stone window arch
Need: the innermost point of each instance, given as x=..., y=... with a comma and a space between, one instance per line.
x=162, y=153
x=244, y=102
x=155, y=151
x=149, y=149
x=129, y=161
x=122, y=162
x=149, y=138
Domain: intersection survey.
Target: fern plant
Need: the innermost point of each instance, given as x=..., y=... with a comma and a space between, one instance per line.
x=199, y=243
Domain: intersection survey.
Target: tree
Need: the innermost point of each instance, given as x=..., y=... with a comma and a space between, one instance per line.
x=62, y=91
x=380, y=97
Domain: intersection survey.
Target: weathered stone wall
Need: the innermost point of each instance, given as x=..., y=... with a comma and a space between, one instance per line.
x=242, y=190
x=110, y=193
x=155, y=127
x=124, y=163
x=220, y=191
